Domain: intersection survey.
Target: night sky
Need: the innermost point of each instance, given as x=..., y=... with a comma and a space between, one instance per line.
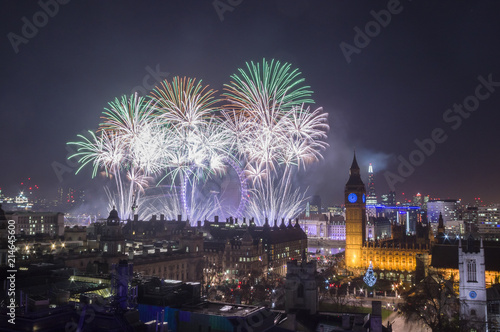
x=397, y=87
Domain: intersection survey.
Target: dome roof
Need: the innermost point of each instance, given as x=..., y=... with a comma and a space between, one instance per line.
x=113, y=215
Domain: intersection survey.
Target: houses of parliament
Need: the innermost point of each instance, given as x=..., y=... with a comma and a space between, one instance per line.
x=394, y=256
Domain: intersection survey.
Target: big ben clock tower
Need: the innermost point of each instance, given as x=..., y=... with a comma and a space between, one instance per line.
x=355, y=217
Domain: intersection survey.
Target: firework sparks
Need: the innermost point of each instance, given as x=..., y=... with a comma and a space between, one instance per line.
x=280, y=134
x=261, y=86
x=180, y=137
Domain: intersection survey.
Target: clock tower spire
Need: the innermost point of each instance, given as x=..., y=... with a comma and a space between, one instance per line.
x=355, y=217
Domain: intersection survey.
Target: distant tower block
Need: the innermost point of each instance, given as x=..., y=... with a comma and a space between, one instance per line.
x=371, y=199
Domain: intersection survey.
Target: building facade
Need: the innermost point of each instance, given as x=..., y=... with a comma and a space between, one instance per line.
x=449, y=208
x=239, y=248
x=301, y=289
x=472, y=286
x=31, y=223
x=488, y=220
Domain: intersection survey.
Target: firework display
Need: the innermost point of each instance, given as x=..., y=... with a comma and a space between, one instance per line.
x=280, y=135
x=179, y=140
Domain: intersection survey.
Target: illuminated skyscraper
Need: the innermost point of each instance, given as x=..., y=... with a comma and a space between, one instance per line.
x=417, y=200
x=371, y=199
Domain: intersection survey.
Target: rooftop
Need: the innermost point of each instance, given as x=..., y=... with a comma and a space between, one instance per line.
x=222, y=309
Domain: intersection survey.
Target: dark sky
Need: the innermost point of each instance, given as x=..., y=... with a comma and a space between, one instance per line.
x=396, y=89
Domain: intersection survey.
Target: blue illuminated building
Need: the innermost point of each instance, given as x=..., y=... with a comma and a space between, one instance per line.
x=405, y=215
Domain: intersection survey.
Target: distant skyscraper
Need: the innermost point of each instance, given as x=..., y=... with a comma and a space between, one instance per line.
x=389, y=199
x=60, y=196
x=426, y=200
x=417, y=200
x=470, y=217
x=449, y=208
x=488, y=220
x=371, y=199
x=71, y=196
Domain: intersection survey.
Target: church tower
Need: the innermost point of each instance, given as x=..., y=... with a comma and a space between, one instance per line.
x=472, y=284
x=355, y=217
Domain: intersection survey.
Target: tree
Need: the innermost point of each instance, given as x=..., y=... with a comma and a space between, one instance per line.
x=339, y=299
x=211, y=275
x=434, y=303
x=259, y=294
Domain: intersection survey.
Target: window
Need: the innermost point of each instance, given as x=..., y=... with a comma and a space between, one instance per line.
x=471, y=270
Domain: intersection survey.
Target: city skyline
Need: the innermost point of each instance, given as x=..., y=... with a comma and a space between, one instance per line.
x=389, y=94
x=401, y=197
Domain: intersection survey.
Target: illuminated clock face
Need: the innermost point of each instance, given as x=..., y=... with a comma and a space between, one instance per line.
x=472, y=295
x=364, y=198
x=352, y=198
